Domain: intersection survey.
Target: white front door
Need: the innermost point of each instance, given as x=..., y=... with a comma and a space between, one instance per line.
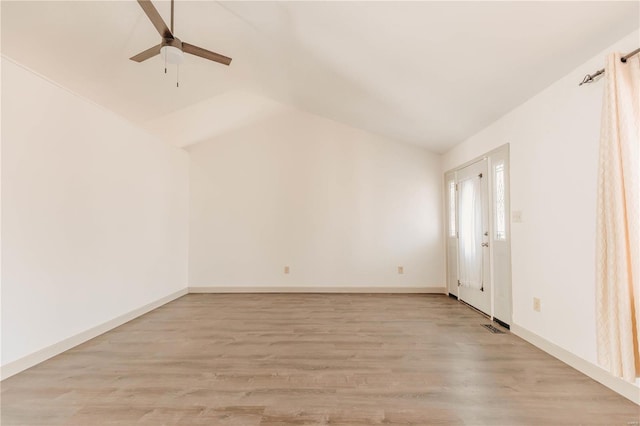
x=474, y=272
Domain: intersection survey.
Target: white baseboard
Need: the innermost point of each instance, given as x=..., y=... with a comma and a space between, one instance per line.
x=618, y=385
x=291, y=289
x=37, y=357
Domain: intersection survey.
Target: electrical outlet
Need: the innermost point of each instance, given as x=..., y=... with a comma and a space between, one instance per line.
x=401, y=269
x=516, y=216
x=286, y=269
x=536, y=304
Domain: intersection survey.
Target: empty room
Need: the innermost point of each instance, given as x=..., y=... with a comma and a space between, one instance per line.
x=320, y=212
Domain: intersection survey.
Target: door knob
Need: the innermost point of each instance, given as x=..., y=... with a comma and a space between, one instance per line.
x=485, y=244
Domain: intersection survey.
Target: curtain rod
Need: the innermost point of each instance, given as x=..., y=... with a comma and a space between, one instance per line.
x=589, y=78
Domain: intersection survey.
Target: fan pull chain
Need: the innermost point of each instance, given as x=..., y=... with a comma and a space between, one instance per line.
x=165, y=64
x=178, y=75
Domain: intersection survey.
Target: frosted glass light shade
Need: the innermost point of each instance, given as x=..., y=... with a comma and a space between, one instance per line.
x=172, y=54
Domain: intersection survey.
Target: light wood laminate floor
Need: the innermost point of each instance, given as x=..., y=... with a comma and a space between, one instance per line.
x=277, y=359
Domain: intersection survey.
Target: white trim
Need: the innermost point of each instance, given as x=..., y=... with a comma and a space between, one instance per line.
x=618, y=385
x=37, y=357
x=340, y=289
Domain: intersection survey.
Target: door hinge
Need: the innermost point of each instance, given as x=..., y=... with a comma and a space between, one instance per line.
x=480, y=175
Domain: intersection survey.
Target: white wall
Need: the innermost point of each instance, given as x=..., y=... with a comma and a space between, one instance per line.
x=94, y=215
x=340, y=206
x=554, y=150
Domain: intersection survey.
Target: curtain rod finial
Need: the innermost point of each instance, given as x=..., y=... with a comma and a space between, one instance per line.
x=587, y=79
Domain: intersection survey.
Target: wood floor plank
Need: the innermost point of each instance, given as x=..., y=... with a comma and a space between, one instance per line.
x=298, y=359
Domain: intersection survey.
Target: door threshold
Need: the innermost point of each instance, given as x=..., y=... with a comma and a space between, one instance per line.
x=475, y=309
x=502, y=323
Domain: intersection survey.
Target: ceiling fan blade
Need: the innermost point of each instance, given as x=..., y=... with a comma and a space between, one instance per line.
x=204, y=53
x=149, y=53
x=155, y=18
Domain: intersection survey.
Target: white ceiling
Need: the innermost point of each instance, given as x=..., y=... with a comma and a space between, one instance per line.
x=429, y=73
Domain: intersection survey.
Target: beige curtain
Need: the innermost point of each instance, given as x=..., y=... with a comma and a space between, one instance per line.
x=618, y=246
x=470, y=232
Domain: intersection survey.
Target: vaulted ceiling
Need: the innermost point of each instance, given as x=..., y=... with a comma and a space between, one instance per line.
x=428, y=73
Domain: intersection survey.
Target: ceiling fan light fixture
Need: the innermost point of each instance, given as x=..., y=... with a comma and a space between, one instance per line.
x=171, y=47
x=172, y=54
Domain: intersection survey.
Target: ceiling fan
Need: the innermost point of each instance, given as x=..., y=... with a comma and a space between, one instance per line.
x=171, y=47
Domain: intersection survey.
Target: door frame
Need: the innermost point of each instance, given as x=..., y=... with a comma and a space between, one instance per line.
x=503, y=153
x=451, y=235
